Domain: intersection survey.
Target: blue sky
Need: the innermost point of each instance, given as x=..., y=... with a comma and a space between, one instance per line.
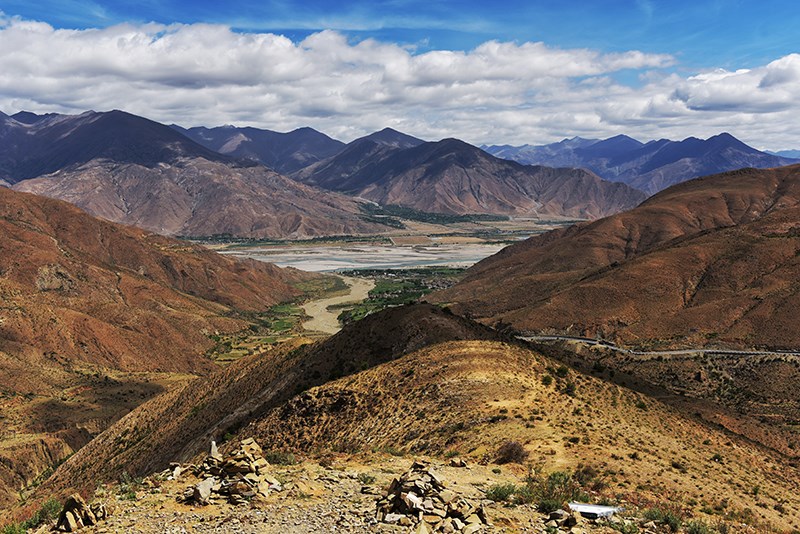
x=702, y=33
x=513, y=72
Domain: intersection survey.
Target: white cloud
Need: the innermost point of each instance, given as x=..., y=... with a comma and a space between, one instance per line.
x=498, y=92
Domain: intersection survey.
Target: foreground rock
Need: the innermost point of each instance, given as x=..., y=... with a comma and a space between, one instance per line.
x=238, y=478
x=420, y=499
x=76, y=514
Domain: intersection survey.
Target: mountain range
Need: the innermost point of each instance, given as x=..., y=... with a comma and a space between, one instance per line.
x=100, y=321
x=283, y=152
x=135, y=171
x=205, y=182
x=794, y=154
x=453, y=177
x=649, y=167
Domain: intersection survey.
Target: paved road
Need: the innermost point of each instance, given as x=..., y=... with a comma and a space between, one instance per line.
x=326, y=321
x=679, y=352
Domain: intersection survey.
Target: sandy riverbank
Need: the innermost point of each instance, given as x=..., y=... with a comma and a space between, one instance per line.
x=326, y=321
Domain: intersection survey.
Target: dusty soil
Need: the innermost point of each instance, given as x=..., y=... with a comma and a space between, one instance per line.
x=315, y=499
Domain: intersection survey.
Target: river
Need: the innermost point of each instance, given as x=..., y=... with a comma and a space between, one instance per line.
x=340, y=258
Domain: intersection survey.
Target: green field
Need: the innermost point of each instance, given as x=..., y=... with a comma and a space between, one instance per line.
x=277, y=324
x=395, y=287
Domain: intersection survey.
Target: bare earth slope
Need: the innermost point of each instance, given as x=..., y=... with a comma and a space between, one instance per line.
x=88, y=304
x=198, y=197
x=453, y=177
x=714, y=258
x=180, y=423
x=713, y=262
x=424, y=386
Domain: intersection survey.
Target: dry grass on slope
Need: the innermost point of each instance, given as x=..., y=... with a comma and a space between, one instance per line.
x=473, y=396
x=414, y=380
x=179, y=424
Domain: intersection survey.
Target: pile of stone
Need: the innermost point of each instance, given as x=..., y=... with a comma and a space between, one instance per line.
x=420, y=499
x=237, y=478
x=76, y=514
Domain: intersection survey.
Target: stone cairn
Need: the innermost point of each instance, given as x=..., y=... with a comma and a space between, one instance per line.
x=237, y=478
x=76, y=514
x=420, y=499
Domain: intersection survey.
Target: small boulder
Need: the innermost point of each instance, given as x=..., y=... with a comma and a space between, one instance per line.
x=202, y=491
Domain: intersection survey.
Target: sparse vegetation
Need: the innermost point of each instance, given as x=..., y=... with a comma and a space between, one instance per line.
x=280, y=458
x=624, y=527
x=511, y=452
x=667, y=517
x=697, y=526
x=501, y=492
x=47, y=512
x=390, y=215
x=366, y=478
x=128, y=486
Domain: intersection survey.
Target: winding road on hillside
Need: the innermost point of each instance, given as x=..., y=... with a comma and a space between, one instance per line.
x=324, y=320
x=677, y=352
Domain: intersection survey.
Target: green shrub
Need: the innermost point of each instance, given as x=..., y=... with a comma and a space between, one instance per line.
x=49, y=510
x=366, y=478
x=547, y=380
x=667, y=517
x=280, y=458
x=545, y=506
x=14, y=528
x=524, y=495
x=501, y=492
x=697, y=527
x=624, y=527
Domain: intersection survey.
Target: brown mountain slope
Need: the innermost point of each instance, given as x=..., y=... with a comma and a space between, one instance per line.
x=87, y=306
x=180, y=423
x=714, y=258
x=424, y=388
x=198, y=197
x=453, y=177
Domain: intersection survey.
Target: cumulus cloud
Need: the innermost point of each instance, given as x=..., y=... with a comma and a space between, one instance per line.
x=204, y=74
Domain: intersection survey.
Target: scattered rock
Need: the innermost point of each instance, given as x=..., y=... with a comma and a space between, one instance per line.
x=421, y=498
x=457, y=462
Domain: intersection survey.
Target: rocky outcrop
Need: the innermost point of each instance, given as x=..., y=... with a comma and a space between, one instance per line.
x=76, y=514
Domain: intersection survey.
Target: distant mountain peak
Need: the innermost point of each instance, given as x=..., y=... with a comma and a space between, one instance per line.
x=650, y=166
x=25, y=117
x=391, y=137
x=285, y=152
